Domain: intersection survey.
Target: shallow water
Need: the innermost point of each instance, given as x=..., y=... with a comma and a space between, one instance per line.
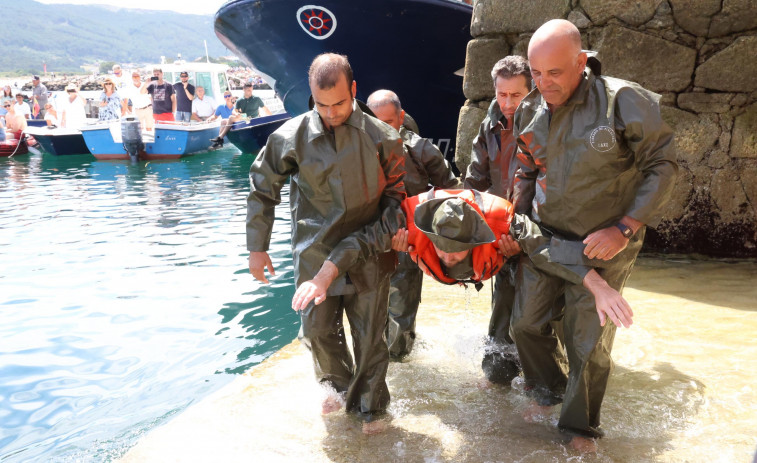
x=682, y=390
x=124, y=297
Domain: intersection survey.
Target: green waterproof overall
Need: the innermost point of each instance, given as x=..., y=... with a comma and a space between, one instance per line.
x=345, y=193
x=425, y=165
x=604, y=154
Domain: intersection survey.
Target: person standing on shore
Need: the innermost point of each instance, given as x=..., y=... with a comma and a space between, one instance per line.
x=596, y=164
x=346, y=186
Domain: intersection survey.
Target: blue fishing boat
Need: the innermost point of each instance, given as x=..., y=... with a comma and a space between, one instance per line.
x=59, y=141
x=414, y=47
x=169, y=140
x=250, y=136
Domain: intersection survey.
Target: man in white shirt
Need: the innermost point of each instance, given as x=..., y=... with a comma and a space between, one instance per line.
x=203, y=106
x=22, y=109
x=139, y=104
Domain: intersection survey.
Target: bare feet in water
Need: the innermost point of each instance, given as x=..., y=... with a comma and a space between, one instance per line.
x=583, y=444
x=535, y=412
x=331, y=404
x=374, y=427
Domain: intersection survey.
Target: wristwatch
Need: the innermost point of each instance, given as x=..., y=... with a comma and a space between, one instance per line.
x=624, y=229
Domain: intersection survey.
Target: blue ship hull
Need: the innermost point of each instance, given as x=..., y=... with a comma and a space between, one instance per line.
x=171, y=141
x=251, y=136
x=413, y=47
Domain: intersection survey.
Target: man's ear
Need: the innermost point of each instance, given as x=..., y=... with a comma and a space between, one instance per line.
x=402, y=117
x=354, y=89
x=581, y=61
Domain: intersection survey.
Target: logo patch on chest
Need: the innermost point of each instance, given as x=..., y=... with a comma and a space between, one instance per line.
x=602, y=138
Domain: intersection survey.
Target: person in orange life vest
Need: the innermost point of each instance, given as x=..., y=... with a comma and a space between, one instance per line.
x=452, y=236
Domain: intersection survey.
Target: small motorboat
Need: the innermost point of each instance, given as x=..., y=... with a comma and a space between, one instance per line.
x=169, y=140
x=15, y=144
x=59, y=141
x=251, y=135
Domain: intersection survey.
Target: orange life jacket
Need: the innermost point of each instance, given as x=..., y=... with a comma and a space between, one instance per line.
x=486, y=261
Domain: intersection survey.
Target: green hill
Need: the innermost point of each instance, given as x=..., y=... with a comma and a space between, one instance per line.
x=68, y=36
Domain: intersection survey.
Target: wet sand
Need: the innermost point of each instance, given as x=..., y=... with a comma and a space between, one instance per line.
x=683, y=389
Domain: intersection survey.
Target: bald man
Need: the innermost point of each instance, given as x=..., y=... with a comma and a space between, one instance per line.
x=345, y=170
x=425, y=167
x=596, y=164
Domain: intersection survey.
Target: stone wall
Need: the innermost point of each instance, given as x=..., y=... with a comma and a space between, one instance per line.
x=700, y=55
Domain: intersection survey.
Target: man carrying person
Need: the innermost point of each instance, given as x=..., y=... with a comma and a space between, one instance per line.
x=596, y=164
x=185, y=93
x=248, y=106
x=163, y=97
x=345, y=171
x=425, y=167
x=492, y=169
x=203, y=106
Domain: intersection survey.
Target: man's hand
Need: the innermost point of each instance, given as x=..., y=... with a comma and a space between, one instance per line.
x=610, y=304
x=257, y=262
x=507, y=246
x=399, y=241
x=315, y=289
x=606, y=243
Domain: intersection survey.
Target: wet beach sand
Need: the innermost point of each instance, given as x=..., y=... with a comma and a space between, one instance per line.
x=683, y=388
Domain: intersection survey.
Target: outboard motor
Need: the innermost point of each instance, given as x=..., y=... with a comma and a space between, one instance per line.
x=131, y=137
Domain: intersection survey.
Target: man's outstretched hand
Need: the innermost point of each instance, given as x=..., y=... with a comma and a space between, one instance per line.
x=610, y=304
x=315, y=289
x=258, y=261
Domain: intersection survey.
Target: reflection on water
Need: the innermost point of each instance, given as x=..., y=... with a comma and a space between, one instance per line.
x=125, y=297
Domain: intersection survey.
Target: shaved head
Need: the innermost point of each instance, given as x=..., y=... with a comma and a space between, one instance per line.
x=386, y=105
x=557, y=62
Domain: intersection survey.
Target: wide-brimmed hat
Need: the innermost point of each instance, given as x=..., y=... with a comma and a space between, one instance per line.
x=452, y=224
x=71, y=87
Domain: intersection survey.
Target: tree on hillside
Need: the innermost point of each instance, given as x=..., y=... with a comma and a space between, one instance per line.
x=106, y=66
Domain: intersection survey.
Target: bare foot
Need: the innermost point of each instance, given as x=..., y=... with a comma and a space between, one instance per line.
x=535, y=412
x=374, y=427
x=331, y=404
x=583, y=444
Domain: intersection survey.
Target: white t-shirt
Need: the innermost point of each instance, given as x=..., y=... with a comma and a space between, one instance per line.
x=53, y=120
x=205, y=107
x=138, y=100
x=74, y=113
x=23, y=109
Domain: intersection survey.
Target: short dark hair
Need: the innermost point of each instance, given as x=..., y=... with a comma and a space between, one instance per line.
x=512, y=66
x=247, y=84
x=326, y=69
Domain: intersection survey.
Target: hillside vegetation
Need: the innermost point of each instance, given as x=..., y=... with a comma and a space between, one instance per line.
x=68, y=36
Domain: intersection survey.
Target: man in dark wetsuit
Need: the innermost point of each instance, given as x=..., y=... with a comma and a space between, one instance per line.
x=425, y=167
x=346, y=187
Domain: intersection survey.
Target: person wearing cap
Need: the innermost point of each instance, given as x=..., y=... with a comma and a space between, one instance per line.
x=72, y=111
x=39, y=93
x=119, y=79
x=248, y=106
x=111, y=107
x=345, y=172
x=597, y=164
x=425, y=167
x=163, y=96
x=492, y=169
x=185, y=93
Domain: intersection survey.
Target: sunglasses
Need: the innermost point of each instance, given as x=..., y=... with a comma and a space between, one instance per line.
x=6, y=106
x=71, y=91
x=107, y=84
x=227, y=96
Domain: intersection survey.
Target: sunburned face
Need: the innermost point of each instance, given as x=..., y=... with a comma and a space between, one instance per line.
x=335, y=104
x=450, y=259
x=510, y=92
x=388, y=113
x=556, y=68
